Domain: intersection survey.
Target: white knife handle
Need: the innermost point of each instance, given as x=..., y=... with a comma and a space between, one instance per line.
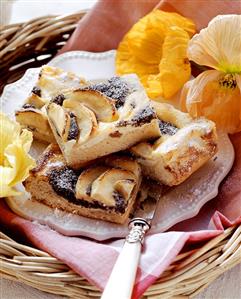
x=122, y=278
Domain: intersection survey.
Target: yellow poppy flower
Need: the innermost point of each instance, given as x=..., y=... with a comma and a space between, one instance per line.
x=155, y=49
x=216, y=93
x=15, y=162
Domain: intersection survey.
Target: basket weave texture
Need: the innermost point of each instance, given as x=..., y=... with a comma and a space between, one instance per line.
x=32, y=44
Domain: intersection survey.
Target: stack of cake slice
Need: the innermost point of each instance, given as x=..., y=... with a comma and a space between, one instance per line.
x=104, y=137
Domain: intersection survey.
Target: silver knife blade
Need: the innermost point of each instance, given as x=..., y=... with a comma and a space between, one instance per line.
x=148, y=199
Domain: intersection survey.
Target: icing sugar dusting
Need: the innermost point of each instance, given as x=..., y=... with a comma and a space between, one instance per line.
x=114, y=88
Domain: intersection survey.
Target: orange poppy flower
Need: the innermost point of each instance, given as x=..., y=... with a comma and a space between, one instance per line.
x=155, y=49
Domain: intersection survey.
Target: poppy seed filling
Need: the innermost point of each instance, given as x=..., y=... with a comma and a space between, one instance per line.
x=74, y=129
x=28, y=106
x=142, y=117
x=63, y=181
x=37, y=91
x=120, y=202
x=114, y=88
x=58, y=99
x=167, y=128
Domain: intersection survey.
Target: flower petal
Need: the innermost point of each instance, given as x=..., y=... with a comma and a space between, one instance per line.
x=145, y=40
x=209, y=95
x=174, y=67
x=5, y=191
x=155, y=49
x=127, y=63
x=6, y=176
x=18, y=158
x=15, y=162
x=9, y=130
x=218, y=46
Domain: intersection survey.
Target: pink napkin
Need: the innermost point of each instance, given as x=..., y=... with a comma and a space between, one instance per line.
x=104, y=26
x=159, y=250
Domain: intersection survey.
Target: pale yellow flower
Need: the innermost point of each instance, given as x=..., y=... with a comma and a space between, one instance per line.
x=216, y=93
x=15, y=161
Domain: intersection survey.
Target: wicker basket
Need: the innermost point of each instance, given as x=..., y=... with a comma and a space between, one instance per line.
x=30, y=45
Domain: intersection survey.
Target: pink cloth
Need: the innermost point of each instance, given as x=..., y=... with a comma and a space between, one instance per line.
x=158, y=253
x=159, y=250
x=105, y=25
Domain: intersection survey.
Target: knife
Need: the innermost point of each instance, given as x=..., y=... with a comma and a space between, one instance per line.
x=122, y=277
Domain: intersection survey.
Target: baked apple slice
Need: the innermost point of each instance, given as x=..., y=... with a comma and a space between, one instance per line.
x=125, y=187
x=103, y=188
x=59, y=119
x=168, y=114
x=143, y=149
x=85, y=118
x=124, y=162
x=36, y=121
x=35, y=100
x=53, y=81
x=103, y=107
x=85, y=180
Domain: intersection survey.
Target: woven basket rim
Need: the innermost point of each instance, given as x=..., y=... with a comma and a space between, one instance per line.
x=189, y=273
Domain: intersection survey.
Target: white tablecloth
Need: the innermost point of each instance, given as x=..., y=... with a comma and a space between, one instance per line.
x=228, y=286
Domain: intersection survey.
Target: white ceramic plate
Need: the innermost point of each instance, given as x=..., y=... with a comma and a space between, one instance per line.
x=182, y=202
